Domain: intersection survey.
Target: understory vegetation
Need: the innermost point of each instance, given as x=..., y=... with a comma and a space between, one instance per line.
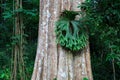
x=102, y=18
x=8, y=40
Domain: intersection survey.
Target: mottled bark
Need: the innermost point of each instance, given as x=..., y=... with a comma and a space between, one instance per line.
x=51, y=60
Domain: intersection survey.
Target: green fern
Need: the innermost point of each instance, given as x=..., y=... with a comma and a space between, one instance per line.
x=70, y=15
x=85, y=78
x=70, y=34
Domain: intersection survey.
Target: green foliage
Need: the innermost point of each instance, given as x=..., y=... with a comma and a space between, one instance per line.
x=85, y=78
x=24, y=12
x=70, y=15
x=29, y=13
x=5, y=74
x=4, y=69
x=55, y=79
x=103, y=20
x=103, y=17
x=69, y=32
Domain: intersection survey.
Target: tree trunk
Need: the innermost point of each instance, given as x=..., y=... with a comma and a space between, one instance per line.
x=17, y=68
x=52, y=62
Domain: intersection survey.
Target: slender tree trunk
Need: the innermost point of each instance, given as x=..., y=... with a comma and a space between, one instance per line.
x=53, y=62
x=18, y=71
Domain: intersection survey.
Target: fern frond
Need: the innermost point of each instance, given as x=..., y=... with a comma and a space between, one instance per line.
x=69, y=32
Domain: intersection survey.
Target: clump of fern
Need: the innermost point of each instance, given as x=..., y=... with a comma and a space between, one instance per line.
x=69, y=32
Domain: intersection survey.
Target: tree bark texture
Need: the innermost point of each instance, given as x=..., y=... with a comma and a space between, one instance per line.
x=52, y=62
x=17, y=68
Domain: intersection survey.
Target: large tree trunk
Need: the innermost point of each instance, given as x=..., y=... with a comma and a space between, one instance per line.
x=53, y=62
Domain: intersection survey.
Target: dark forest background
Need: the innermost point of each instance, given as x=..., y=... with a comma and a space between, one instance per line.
x=103, y=21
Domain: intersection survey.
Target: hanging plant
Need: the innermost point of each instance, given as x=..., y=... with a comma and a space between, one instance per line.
x=70, y=33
